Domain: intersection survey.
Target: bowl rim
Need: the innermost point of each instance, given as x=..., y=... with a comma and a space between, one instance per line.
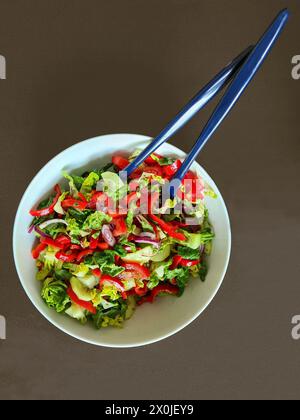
x=140, y=137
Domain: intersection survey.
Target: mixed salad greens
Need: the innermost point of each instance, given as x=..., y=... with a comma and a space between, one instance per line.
x=105, y=245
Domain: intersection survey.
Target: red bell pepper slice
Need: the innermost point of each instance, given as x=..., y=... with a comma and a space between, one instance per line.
x=115, y=282
x=190, y=175
x=151, y=159
x=97, y=272
x=130, y=198
x=164, y=288
x=168, y=228
x=84, y=254
x=120, y=227
x=68, y=258
x=86, y=305
x=189, y=263
x=141, y=291
x=120, y=162
x=142, y=272
x=171, y=170
x=94, y=243
x=53, y=243
x=98, y=196
x=63, y=240
x=48, y=210
x=153, y=201
x=77, y=204
x=103, y=246
x=37, y=250
x=178, y=260
x=133, y=186
x=161, y=288
x=75, y=247
x=154, y=170
x=145, y=299
x=137, y=173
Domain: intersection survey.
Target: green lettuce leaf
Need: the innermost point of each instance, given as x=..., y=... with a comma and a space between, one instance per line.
x=81, y=291
x=129, y=219
x=110, y=167
x=181, y=275
x=55, y=295
x=78, y=180
x=72, y=186
x=89, y=183
x=58, y=207
x=113, y=317
x=188, y=253
x=142, y=256
x=164, y=161
x=96, y=220
x=146, y=226
x=106, y=262
x=77, y=312
x=55, y=229
x=203, y=270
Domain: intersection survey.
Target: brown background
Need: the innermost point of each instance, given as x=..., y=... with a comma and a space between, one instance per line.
x=77, y=69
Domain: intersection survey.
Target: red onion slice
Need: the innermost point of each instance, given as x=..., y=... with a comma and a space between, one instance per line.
x=148, y=235
x=31, y=228
x=108, y=236
x=40, y=232
x=51, y=222
x=142, y=240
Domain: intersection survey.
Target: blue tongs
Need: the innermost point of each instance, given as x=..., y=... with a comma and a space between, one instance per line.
x=241, y=71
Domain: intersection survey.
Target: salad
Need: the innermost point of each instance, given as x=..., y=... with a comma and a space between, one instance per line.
x=106, y=245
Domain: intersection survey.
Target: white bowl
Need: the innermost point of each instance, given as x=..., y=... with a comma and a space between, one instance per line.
x=150, y=323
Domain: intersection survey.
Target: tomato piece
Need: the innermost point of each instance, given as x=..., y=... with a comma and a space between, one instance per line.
x=170, y=170
x=155, y=170
x=120, y=162
x=151, y=161
x=120, y=227
x=97, y=272
x=133, y=186
x=93, y=243
x=100, y=197
x=136, y=174
x=103, y=246
x=191, y=190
